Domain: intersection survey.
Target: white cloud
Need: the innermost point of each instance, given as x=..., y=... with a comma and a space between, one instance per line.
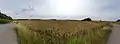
x=98, y=9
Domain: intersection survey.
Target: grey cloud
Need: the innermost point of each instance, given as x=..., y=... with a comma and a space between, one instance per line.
x=98, y=9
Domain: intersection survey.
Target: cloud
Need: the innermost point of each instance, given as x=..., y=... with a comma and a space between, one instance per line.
x=97, y=9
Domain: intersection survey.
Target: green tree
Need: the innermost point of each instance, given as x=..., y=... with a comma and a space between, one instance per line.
x=4, y=18
x=87, y=19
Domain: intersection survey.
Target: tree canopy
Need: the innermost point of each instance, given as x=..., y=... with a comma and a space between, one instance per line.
x=4, y=16
x=87, y=19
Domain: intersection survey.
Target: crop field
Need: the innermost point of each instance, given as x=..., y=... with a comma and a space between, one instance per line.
x=61, y=24
x=62, y=32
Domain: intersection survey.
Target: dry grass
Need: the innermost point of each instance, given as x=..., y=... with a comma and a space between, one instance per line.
x=62, y=32
x=117, y=22
x=63, y=25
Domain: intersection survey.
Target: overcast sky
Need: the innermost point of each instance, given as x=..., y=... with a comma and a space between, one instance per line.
x=61, y=9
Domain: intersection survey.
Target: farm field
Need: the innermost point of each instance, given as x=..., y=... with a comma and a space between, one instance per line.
x=62, y=32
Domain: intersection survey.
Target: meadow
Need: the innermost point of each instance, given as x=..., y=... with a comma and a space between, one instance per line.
x=62, y=32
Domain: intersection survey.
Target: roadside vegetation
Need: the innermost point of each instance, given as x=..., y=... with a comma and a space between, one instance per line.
x=117, y=21
x=5, y=19
x=62, y=32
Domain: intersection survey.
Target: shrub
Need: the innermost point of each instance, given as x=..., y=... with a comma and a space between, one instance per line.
x=3, y=21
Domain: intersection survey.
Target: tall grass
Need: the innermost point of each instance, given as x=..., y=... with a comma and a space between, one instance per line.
x=98, y=35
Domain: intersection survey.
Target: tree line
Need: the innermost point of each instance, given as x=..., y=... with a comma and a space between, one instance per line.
x=4, y=18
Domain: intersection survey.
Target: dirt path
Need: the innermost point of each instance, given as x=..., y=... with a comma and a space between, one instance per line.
x=7, y=35
x=115, y=35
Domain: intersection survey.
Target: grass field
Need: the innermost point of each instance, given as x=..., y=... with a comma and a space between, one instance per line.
x=62, y=32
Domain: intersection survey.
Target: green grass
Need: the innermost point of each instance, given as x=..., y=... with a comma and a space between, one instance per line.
x=3, y=21
x=98, y=35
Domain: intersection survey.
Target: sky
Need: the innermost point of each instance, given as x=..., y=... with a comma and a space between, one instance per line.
x=62, y=9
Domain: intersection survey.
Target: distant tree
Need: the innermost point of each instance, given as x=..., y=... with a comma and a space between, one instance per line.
x=52, y=19
x=87, y=19
x=118, y=20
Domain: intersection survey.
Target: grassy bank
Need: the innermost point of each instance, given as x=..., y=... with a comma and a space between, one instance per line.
x=96, y=35
x=3, y=21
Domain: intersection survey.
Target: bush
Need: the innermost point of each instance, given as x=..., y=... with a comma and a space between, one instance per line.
x=87, y=19
x=3, y=21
